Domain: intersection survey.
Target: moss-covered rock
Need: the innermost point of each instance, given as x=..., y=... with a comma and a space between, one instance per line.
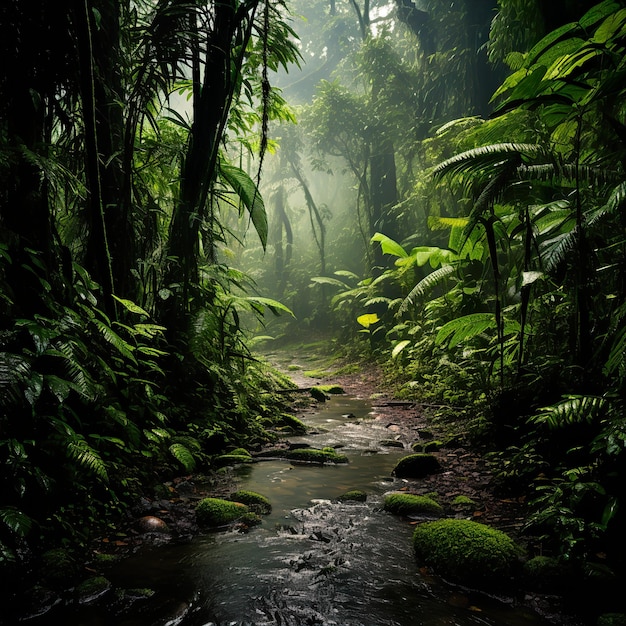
x=287, y=422
x=217, y=512
x=612, y=619
x=232, y=459
x=92, y=589
x=313, y=455
x=408, y=504
x=240, y=452
x=254, y=501
x=467, y=552
x=58, y=568
x=547, y=574
x=354, y=495
x=390, y=443
x=433, y=446
x=416, y=466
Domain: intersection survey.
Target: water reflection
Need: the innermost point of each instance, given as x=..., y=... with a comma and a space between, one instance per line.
x=314, y=560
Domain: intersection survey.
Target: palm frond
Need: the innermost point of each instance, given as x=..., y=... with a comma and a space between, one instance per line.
x=574, y=409
x=426, y=284
x=486, y=156
x=557, y=250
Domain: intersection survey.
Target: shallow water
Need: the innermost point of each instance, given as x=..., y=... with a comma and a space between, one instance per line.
x=313, y=560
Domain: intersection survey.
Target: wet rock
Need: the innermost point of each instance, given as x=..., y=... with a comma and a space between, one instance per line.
x=354, y=495
x=417, y=465
x=152, y=524
x=217, y=512
x=391, y=443
x=408, y=504
x=92, y=589
x=38, y=601
x=466, y=552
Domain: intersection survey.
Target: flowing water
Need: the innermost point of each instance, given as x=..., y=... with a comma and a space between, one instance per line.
x=312, y=561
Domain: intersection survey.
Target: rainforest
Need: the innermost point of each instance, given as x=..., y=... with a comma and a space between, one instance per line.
x=376, y=248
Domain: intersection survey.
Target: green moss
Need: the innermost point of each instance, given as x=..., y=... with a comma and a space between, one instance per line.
x=409, y=504
x=58, y=568
x=232, y=459
x=433, y=446
x=250, y=519
x=332, y=389
x=294, y=368
x=464, y=502
x=255, y=501
x=93, y=588
x=416, y=466
x=547, y=574
x=218, y=512
x=293, y=424
x=354, y=495
x=467, y=552
x=612, y=619
x=239, y=452
x=312, y=455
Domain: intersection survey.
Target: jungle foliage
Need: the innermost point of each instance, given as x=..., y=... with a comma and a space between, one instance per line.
x=492, y=281
x=123, y=355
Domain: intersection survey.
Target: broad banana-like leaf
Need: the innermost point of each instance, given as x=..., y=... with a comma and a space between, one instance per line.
x=249, y=195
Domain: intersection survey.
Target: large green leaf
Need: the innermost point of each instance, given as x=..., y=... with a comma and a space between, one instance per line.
x=249, y=195
x=389, y=246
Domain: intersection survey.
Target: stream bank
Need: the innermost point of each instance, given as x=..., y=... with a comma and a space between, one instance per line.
x=314, y=560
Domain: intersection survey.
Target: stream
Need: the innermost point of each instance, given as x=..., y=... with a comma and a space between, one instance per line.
x=314, y=560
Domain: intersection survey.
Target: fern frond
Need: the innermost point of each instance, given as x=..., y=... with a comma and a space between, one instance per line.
x=183, y=455
x=14, y=371
x=464, y=328
x=425, y=285
x=79, y=450
x=571, y=410
x=15, y=520
x=112, y=338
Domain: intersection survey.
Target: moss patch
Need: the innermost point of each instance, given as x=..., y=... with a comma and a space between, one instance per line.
x=232, y=459
x=416, y=466
x=254, y=501
x=292, y=424
x=218, y=512
x=467, y=552
x=354, y=495
x=409, y=504
x=312, y=455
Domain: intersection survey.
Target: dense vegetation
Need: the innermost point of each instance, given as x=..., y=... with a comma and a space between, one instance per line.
x=477, y=246
x=451, y=202
x=122, y=354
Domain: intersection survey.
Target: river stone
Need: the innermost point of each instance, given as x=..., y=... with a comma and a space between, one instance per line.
x=409, y=504
x=92, y=589
x=152, y=524
x=417, y=465
x=391, y=443
x=467, y=552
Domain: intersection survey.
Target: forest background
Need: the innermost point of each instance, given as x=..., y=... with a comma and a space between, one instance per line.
x=440, y=183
